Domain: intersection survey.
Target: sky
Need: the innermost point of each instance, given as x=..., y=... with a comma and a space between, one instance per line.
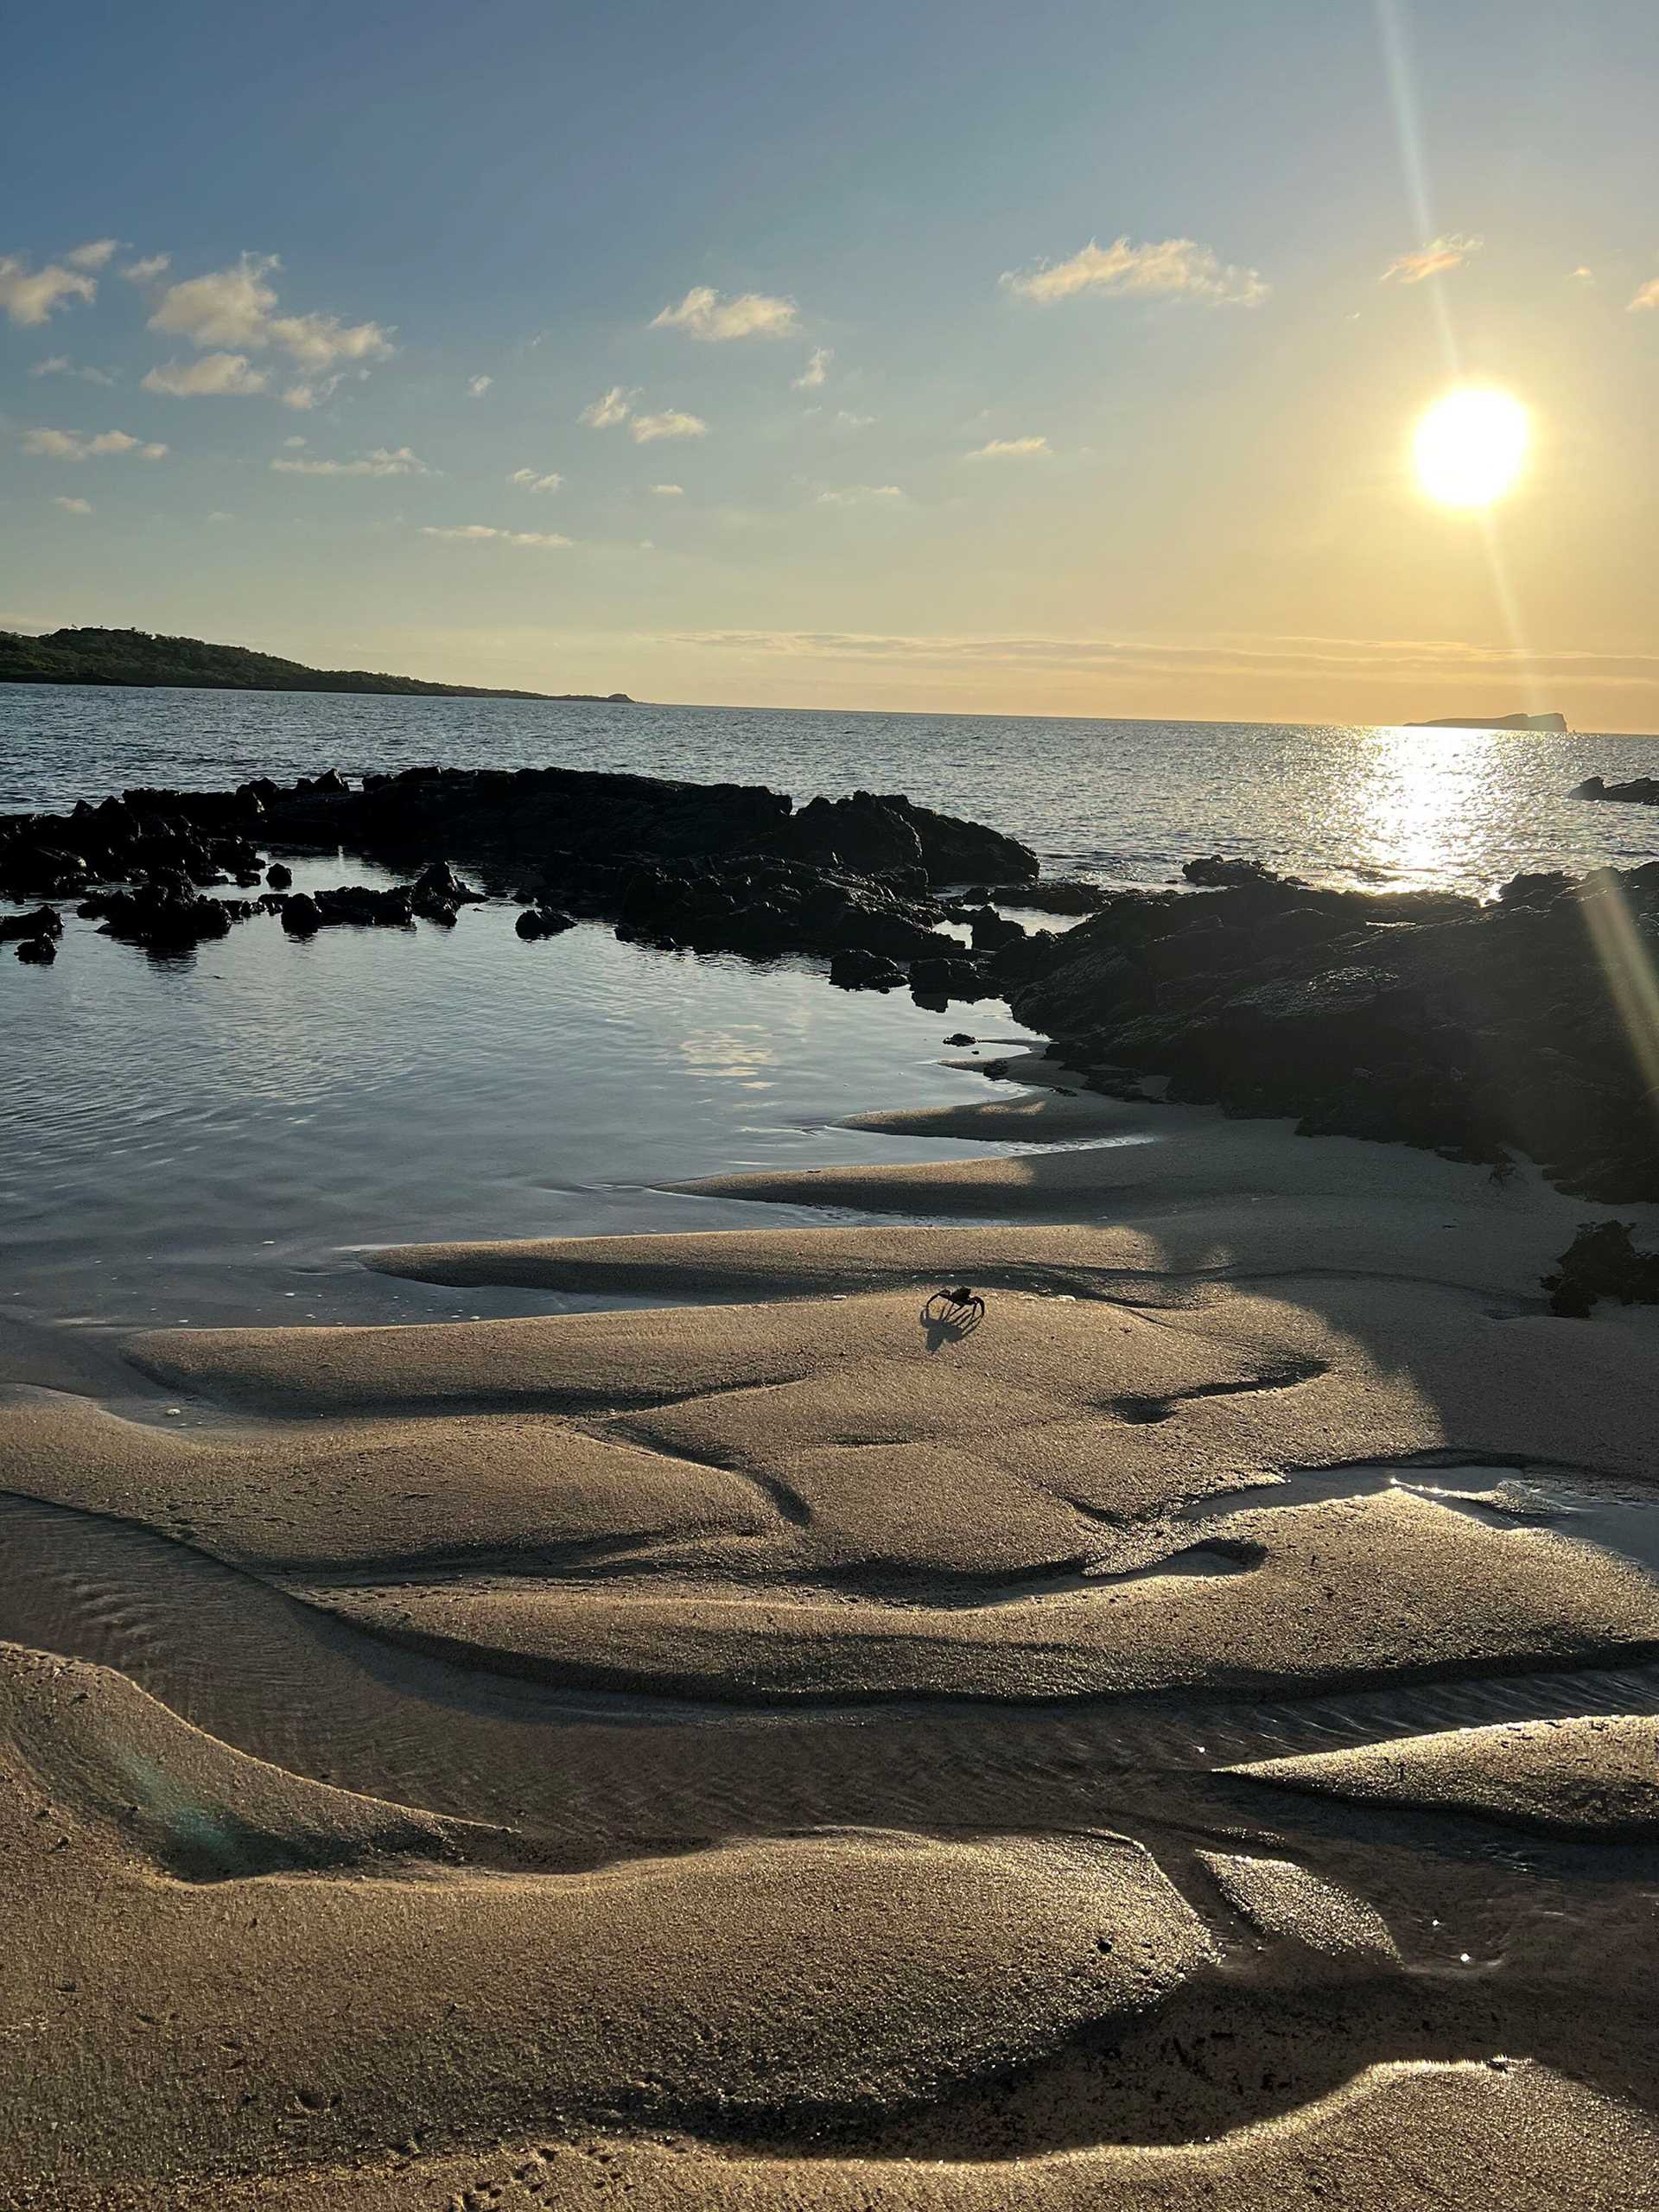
x=941, y=356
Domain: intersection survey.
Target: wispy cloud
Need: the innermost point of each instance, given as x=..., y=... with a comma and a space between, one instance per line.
x=817, y=371
x=858, y=495
x=668, y=490
x=148, y=268
x=217, y=375
x=73, y=507
x=295, y=442
x=1011, y=449
x=703, y=314
x=477, y=386
x=846, y=420
x=29, y=295
x=1175, y=268
x=1451, y=661
x=1647, y=297
x=60, y=366
x=612, y=407
x=1438, y=258
x=478, y=533
x=399, y=462
x=76, y=445
x=237, y=307
x=646, y=429
x=94, y=254
x=532, y=482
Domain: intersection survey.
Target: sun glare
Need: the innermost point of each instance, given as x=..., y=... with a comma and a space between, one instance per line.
x=1470, y=446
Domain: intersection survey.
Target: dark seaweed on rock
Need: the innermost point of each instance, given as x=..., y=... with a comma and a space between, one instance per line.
x=1424, y=1018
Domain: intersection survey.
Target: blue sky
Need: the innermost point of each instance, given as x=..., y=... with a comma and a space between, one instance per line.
x=929, y=449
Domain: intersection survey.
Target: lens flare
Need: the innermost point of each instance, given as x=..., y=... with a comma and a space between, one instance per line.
x=1470, y=446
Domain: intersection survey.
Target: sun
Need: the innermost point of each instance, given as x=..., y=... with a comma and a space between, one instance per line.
x=1470, y=446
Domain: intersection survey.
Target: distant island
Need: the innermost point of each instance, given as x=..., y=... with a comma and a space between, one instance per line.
x=138, y=658
x=1554, y=724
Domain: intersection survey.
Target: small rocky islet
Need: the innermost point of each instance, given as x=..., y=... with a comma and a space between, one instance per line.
x=1478, y=1029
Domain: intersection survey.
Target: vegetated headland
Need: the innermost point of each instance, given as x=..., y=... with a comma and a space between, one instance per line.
x=137, y=656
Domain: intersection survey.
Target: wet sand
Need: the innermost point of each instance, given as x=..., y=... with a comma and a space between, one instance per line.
x=1184, y=1738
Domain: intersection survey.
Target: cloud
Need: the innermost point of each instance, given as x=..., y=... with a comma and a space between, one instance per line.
x=73, y=507
x=399, y=462
x=220, y=375
x=858, y=495
x=1583, y=275
x=75, y=445
x=1011, y=449
x=311, y=394
x=1173, y=267
x=29, y=295
x=846, y=421
x=1438, y=258
x=94, y=254
x=145, y=271
x=646, y=429
x=703, y=314
x=477, y=386
x=294, y=441
x=222, y=514
x=817, y=369
x=474, y=533
x=237, y=307
x=532, y=482
x=60, y=366
x=668, y=490
x=615, y=407
x=1648, y=297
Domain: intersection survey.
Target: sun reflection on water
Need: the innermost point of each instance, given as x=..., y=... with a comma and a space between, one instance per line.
x=1420, y=799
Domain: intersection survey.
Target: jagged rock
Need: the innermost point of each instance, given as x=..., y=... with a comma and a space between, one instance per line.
x=542, y=921
x=857, y=971
x=165, y=917
x=437, y=883
x=301, y=915
x=1641, y=791
x=42, y=922
x=279, y=877
x=936, y=982
x=1214, y=873
x=37, y=951
x=1602, y=1262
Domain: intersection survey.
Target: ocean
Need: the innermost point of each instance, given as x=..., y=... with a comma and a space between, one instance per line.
x=210, y=1139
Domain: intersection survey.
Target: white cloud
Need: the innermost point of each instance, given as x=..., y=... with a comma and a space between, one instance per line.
x=145, y=271
x=646, y=429
x=294, y=441
x=94, y=254
x=73, y=507
x=303, y=396
x=474, y=533
x=1584, y=275
x=220, y=514
x=1172, y=267
x=605, y=414
x=479, y=385
x=668, y=490
x=1438, y=258
x=28, y=296
x=221, y=375
x=703, y=314
x=399, y=462
x=845, y=420
x=1648, y=297
x=859, y=495
x=60, y=366
x=75, y=445
x=237, y=307
x=532, y=482
x=1011, y=449
x=817, y=369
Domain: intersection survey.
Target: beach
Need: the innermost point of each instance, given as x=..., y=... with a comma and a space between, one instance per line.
x=779, y=1749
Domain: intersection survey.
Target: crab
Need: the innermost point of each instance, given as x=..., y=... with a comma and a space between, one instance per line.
x=963, y=1306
